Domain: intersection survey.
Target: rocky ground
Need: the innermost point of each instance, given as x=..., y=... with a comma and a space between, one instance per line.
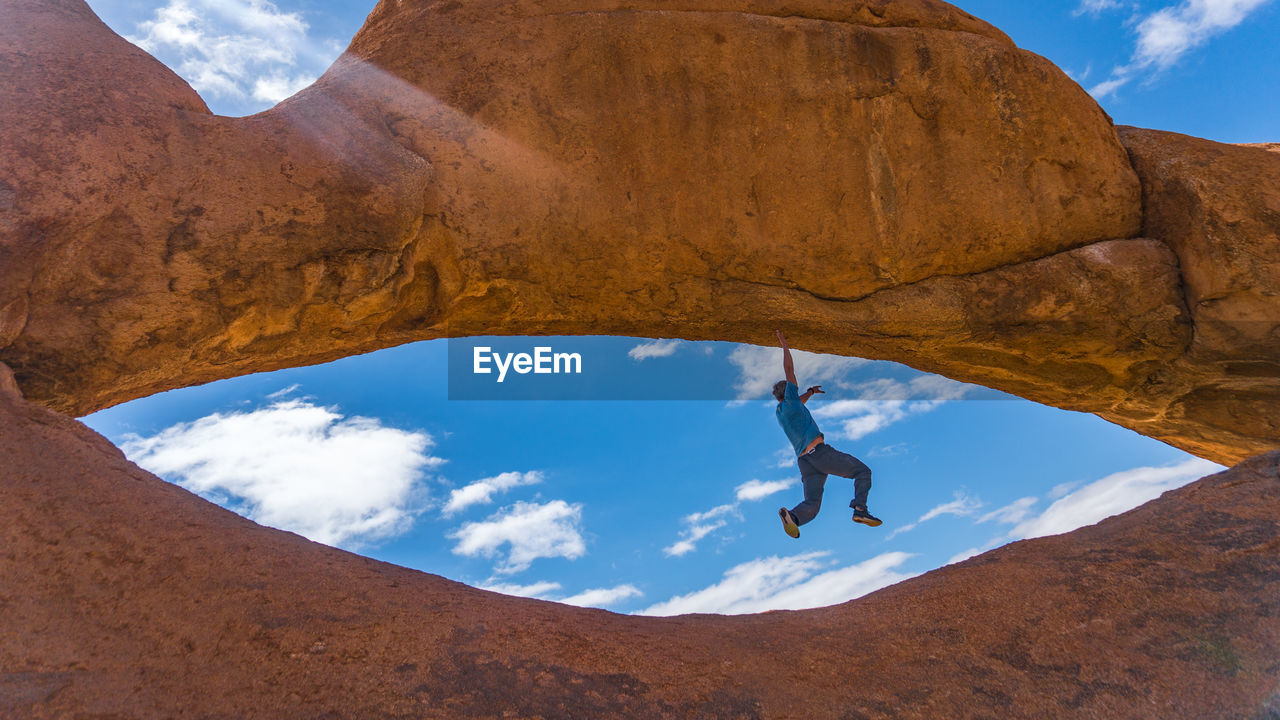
x=123, y=596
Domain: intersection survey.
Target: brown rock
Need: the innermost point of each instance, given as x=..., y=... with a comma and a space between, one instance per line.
x=125, y=596
x=608, y=169
x=1218, y=208
x=573, y=169
x=631, y=169
x=890, y=179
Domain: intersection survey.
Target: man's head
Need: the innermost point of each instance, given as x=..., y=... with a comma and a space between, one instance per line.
x=780, y=390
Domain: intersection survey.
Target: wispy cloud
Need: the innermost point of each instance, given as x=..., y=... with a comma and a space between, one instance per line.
x=245, y=50
x=541, y=590
x=790, y=583
x=785, y=457
x=698, y=526
x=603, y=597
x=879, y=402
x=595, y=597
x=960, y=505
x=1011, y=514
x=482, y=491
x=297, y=466
x=282, y=392
x=655, y=349
x=528, y=531
x=886, y=451
x=883, y=402
x=1112, y=495
x=962, y=556
x=759, y=490
x=1168, y=34
x=1094, y=7
x=760, y=367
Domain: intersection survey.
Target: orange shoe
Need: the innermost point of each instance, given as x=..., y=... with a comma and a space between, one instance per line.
x=860, y=515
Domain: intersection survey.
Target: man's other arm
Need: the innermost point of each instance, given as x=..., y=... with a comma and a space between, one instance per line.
x=811, y=392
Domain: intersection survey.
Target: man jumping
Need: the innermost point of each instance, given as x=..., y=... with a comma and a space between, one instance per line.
x=816, y=459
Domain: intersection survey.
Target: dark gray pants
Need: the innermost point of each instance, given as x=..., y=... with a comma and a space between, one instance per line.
x=814, y=469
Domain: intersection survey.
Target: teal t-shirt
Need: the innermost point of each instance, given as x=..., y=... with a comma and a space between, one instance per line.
x=795, y=419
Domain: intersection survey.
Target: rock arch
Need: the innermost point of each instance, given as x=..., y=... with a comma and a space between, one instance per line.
x=601, y=167
x=544, y=166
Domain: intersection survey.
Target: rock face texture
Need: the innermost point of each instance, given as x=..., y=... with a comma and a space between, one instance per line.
x=885, y=179
x=892, y=180
x=125, y=596
x=1218, y=207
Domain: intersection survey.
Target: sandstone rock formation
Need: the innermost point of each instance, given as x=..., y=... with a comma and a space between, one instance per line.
x=871, y=174
x=125, y=596
x=1218, y=207
x=888, y=179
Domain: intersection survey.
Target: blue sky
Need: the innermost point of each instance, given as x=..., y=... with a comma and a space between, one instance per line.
x=669, y=505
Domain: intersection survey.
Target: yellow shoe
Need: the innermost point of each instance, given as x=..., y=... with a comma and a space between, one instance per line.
x=789, y=522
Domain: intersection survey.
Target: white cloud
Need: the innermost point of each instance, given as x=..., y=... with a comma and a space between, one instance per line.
x=655, y=349
x=908, y=527
x=893, y=450
x=299, y=467
x=883, y=402
x=962, y=504
x=689, y=539
x=528, y=530
x=786, y=458
x=1112, y=495
x=760, y=367
x=1062, y=489
x=792, y=583
x=1011, y=514
x=859, y=418
x=1109, y=87
x=1094, y=7
x=541, y=590
x=698, y=526
x=716, y=512
x=603, y=597
x=235, y=49
x=1168, y=34
x=283, y=391
x=962, y=556
x=482, y=491
x=544, y=590
x=758, y=490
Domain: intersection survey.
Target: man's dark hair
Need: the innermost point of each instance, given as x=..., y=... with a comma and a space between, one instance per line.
x=780, y=390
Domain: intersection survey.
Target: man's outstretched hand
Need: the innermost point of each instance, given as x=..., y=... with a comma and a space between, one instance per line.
x=781, y=340
x=816, y=389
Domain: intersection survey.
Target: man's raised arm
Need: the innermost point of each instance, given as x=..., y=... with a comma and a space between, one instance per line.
x=788, y=366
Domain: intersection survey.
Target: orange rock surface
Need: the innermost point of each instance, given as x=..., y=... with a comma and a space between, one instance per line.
x=1218, y=207
x=125, y=596
x=885, y=179
x=624, y=168
x=856, y=171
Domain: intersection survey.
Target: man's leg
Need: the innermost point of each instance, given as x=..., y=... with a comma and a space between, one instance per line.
x=829, y=460
x=814, y=481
